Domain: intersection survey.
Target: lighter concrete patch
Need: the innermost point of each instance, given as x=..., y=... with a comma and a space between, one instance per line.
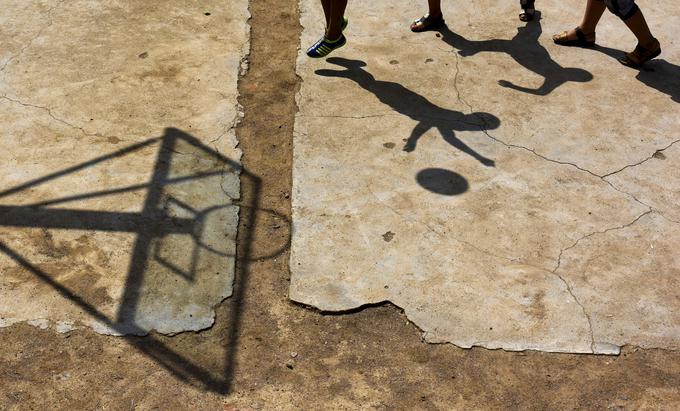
x=503, y=192
x=119, y=164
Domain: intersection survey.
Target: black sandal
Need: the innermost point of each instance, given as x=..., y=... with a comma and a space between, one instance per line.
x=528, y=10
x=426, y=23
x=581, y=40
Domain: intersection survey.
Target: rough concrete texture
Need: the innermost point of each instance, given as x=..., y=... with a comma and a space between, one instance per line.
x=505, y=192
x=119, y=165
x=265, y=352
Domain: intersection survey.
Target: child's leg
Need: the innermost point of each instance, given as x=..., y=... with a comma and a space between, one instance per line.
x=648, y=47
x=336, y=15
x=594, y=11
x=433, y=20
x=435, y=7
x=592, y=15
x=326, y=10
x=334, y=10
x=528, y=10
x=638, y=25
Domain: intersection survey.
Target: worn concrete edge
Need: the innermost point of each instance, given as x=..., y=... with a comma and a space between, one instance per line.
x=597, y=347
x=67, y=326
x=615, y=350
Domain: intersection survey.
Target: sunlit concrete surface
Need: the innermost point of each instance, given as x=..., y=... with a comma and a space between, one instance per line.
x=119, y=164
x=504, y=191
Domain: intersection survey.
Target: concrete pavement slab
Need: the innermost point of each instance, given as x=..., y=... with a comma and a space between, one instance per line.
x=467, y=175
x=120, y=164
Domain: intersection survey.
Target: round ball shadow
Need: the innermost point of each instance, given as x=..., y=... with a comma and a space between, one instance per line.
x=441, y=181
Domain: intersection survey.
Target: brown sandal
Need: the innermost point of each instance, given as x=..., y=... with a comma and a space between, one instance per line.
x=581, y=39
x=426, y=23
x=640, y=55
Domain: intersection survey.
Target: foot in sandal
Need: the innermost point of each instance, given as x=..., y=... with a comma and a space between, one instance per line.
x=641, y=54
x=427, y=22
x=575, y=38
x=528, y=10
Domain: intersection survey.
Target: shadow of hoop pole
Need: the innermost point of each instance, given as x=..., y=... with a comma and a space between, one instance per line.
x=148, y=225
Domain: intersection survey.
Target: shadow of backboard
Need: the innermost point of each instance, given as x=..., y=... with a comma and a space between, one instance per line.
x=183, y=247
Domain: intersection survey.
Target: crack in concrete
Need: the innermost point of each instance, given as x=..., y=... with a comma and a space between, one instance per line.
x=55, y=118
x=482, y=124
x=642, y=161
x=485, y=252
x=583, y=309
x=484, y=129
x=568, y=285
x=379, y=115
x=621, y=227
x=30, y=42
x=552, y=272
x=603, y=177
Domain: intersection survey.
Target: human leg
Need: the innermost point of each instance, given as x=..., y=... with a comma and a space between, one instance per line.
x=337, y=14
x=326, y=4
x=435, y=8
x=638, y=25
x=334, y=11
x=648, y=46
x=584, y=34
x=432, y=20
x=528, y=10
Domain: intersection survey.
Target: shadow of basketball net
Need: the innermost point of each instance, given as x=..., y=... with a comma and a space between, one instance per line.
x=180, y=224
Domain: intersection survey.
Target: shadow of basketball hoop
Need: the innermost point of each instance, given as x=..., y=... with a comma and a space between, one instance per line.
x=181, y=231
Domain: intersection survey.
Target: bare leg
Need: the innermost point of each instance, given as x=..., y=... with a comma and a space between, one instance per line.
x=638, y=25
x=592, y=16
x=435, y=7
x=648, y=47
x=327, y=11
x=528, y=10
x=337, y=13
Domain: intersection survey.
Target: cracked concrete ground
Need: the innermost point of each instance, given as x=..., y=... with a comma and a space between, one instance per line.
x=120, y=166
x=264, y=352
x=505, y=192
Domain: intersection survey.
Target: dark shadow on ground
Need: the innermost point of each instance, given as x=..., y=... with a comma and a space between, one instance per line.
x=153, y=224
x=658, y=74
x=527, y=51
x=413, y=105
x=442, y=181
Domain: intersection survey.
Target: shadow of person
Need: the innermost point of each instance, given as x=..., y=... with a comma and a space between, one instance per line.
x=658, y=74
x=417, y=107
x=526, y=50
x=662, y=76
